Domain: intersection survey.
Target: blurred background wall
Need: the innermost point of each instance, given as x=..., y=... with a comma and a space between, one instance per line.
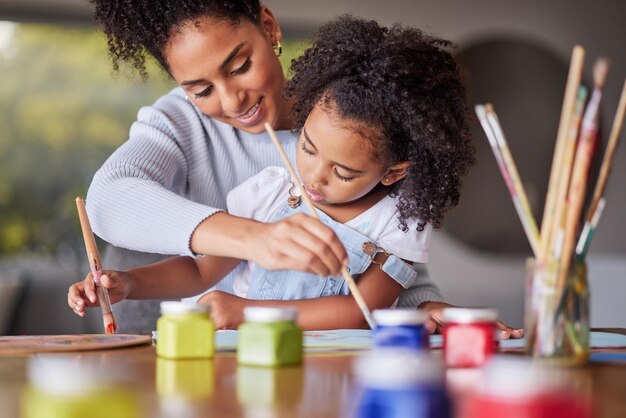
x=513, y=54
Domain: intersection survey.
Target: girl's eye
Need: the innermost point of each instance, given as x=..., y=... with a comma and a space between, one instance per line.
x=203, y=93
x=245, y=67
x=342, y=178
x=304, y=148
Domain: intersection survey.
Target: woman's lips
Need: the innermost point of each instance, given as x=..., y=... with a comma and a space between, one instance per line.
x=252, y=116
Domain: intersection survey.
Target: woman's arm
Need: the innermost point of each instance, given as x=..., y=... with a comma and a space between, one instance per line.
x=329, y=312
x=299, y=242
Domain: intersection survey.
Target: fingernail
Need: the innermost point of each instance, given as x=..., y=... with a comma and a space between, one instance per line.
x=346, y=262
x=79, y=303
x=92, y=299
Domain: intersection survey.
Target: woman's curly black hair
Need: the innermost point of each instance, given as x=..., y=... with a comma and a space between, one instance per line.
x=134, y=27
x=404, y=88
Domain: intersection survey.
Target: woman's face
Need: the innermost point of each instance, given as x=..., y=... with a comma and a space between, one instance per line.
x=231, y=72
x=334, y=161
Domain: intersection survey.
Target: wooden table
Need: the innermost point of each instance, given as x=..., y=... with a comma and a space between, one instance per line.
x=323, y=387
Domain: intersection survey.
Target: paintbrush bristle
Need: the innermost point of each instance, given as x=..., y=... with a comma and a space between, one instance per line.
x=600, y=70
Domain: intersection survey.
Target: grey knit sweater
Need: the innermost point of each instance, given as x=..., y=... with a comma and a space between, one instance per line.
x=174, y=171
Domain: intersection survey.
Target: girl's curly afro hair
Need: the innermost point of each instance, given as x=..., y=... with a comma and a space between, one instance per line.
x=404, y=87
x=134, y=27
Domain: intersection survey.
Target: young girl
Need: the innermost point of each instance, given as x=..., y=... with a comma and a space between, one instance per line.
x=382, y=149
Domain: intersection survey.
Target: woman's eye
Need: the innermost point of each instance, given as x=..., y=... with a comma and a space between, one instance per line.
x=204, y=92
x=245, y=67
x=342, y=178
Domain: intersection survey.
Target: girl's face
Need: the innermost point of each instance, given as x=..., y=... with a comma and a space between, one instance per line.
x=231, y=72
x=335, y=162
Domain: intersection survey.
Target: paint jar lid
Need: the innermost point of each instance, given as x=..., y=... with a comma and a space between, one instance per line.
x=269, y=314
x=65, y=376
x=177, y=307
x=393, y=317
x=467, y=316
x=394, y=368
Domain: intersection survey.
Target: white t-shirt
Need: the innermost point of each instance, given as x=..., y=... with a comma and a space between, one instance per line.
x=262, y=195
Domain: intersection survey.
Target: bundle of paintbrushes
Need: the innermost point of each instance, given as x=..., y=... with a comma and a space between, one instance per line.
x=557, y=321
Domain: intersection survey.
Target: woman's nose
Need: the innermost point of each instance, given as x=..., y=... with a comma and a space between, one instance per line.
x=231, y=99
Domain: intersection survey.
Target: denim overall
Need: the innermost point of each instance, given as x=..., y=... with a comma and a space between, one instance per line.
x=289, y=284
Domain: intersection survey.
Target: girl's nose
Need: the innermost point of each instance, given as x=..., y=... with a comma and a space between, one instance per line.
x=318, y=176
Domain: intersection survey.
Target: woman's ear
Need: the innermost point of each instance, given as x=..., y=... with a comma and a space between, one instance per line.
x=270, y=25
x=395, y=173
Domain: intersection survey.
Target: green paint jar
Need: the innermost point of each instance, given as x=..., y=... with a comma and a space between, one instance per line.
x=269, y=337
x=185, y=331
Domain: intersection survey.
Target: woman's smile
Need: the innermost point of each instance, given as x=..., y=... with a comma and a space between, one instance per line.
x=253, y=115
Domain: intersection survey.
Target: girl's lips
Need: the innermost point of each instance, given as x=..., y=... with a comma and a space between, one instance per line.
x=314, y=195
x=253, y=115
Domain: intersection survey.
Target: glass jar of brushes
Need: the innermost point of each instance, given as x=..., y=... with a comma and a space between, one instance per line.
x=557, y=312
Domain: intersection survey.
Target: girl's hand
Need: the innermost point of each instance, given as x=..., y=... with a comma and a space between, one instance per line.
x=436, y=322
x=226, y=309
x=299, y=242
x=82, y=295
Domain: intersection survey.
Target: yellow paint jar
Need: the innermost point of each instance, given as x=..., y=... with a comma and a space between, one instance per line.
x=185, y=331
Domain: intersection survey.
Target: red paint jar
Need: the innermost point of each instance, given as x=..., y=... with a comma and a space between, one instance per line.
x=469, y=336
x=521, y=388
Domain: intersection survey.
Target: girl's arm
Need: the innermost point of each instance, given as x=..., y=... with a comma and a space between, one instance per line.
x=173, y=278
x=329, y=312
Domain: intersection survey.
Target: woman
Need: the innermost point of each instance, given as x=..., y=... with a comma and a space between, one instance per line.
x=163, y=191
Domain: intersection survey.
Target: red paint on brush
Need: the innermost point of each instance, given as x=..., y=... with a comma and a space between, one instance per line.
x=111, y=328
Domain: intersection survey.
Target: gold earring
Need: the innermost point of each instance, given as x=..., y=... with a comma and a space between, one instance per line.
x=278, y=48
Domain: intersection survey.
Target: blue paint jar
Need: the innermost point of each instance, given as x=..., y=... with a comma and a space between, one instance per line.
x=401, y=383
x=401, y=328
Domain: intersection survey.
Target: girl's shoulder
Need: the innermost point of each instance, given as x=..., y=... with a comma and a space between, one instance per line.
x=381, y=223
x=260, y=195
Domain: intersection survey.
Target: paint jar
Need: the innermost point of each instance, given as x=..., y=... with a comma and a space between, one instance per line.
x=70, y=387
x=185, y=331
x=519, y=387
x=469, y=336
x=269, y=337
x=401, y=383
x=557, y=313
x=400, y=328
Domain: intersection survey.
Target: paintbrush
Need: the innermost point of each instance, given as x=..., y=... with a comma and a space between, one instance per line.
x=497, y=141
x=565, y=175
x=344, y=271
x=607, y=164
x=580, y=172
x=93, y=255
x=573, y=82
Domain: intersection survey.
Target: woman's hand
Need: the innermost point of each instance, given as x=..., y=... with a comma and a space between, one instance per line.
x=299, y=242
x=226, y=309
x=82, y=295
x=436, y=322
